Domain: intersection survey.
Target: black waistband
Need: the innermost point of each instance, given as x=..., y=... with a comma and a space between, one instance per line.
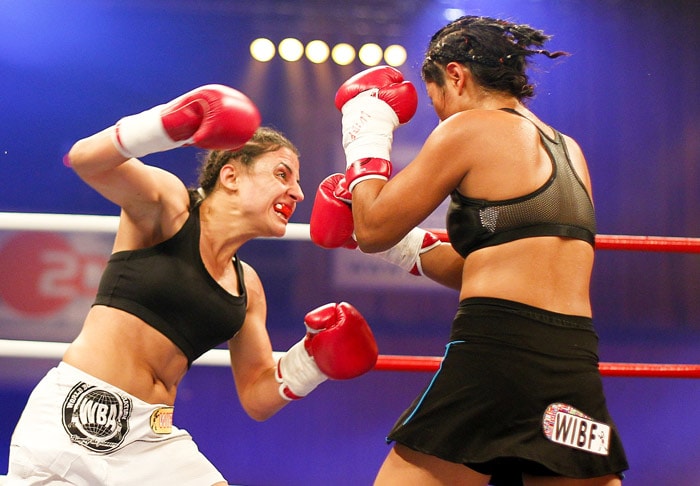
x=472, y=304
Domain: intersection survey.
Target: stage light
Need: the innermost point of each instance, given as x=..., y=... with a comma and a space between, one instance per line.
x=317, y=51
x=395, y=55
x=370, y=54
x=262, y=49
x=291, y=49
x=451, y=14
x=343, y=54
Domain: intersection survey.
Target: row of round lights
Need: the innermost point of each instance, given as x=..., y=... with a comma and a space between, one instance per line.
x=318, y=51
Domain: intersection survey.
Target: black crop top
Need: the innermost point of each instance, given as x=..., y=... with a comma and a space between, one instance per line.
x=561, y=207
x=168, y=287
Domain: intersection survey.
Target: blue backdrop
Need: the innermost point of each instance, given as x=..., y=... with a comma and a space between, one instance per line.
x=628, y=94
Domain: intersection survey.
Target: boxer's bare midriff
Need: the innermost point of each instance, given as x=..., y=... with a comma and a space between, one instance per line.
x=122, y=350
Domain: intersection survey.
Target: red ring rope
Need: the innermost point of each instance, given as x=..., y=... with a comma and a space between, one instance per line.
x=648, y=243
x=10, y=348
x=669, y=244
x=642, y=370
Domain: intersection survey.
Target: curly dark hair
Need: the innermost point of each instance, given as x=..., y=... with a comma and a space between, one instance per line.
x=264, y=140
x=495, y=51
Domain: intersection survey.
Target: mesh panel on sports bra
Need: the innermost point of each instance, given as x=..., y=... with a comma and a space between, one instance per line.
x=561, y=207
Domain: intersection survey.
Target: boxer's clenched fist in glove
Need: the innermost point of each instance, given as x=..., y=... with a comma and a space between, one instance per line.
x=331, y=224
x=385, y=83
x=213, y=117
x=373, y=102
x=338, y=345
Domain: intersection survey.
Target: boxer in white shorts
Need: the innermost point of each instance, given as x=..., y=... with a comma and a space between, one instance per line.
x=173, y=289
x=99, y=420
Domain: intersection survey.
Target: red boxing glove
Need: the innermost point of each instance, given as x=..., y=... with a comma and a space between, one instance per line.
x=373, y=102
x=331, y=222
x=387, y=84
x=213, y=117
x=338, y=345
x=364, y=169
x=340, y=341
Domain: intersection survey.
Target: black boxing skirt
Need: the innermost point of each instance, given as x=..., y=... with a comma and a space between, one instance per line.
x=518, y=391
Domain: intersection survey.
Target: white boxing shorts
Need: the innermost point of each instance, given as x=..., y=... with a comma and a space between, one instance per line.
x=78, y=430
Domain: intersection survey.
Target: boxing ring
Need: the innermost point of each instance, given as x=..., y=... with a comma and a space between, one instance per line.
x=367, y=413
x=12, y=348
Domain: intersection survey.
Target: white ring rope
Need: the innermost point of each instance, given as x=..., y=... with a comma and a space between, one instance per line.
x=11, y=348
x=14, y=348
x=97, y=224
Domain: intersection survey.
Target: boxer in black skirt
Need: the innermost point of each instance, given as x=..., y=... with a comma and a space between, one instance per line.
x=518, y=398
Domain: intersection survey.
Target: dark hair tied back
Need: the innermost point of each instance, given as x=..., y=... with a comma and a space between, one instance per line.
x=496, y=52
x=265, y=139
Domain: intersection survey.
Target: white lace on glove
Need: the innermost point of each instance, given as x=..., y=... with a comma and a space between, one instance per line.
x=368, y=127
x=298, y=373
x=143, y=134
x=406, y=253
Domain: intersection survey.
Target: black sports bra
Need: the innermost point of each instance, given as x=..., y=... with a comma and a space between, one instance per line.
x=561, y=207
x=169, y=288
